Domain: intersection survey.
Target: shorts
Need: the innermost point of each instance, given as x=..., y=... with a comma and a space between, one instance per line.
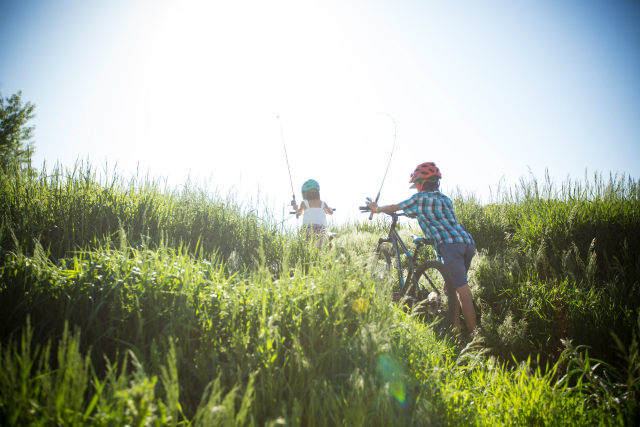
x=457, y=258
x=317, y=232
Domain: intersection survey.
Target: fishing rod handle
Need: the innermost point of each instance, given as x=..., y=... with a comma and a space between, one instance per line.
x=377, y=198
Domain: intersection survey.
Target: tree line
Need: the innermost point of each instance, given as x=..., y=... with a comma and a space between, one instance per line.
x=16, y=136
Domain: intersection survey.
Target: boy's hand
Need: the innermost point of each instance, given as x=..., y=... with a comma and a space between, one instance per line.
x=388, y=209
x=295, y=206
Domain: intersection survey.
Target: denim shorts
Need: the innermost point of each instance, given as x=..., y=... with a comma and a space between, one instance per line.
x=457, y=257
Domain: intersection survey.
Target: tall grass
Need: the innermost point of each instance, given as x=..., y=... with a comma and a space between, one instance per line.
x=557, y=262
x=187, y=307
x=556, y=220
x=163, y=339
x=65, y=210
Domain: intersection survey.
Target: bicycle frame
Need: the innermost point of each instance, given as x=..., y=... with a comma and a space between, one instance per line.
x=394, y=238
x=396, y=241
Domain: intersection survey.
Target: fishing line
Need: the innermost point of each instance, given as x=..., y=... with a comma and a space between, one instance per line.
x=388, y=164
x=287, y=157
x=293, y=192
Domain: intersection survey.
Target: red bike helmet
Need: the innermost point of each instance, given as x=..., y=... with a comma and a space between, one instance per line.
x=427, y=171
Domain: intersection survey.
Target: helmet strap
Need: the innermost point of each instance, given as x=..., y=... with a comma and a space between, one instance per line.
x=425, y=182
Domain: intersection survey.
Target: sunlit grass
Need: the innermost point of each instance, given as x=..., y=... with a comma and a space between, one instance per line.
x=187, y=307
x=208, y=348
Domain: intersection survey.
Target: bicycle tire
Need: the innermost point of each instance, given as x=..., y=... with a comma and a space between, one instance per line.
x=434, y=272
x=380, y=264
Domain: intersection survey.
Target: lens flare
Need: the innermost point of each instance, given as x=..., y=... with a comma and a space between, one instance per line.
x=391, y=372
x=397, y=390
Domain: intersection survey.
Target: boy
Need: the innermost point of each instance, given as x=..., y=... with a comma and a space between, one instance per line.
x=437, y=220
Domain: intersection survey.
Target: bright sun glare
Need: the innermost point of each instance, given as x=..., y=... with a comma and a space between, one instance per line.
x=210, y=79
x=193, y=88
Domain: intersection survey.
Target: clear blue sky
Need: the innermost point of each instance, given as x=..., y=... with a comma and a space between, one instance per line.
x=486, y=89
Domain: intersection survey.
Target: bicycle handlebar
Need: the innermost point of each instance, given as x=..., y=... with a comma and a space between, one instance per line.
x=366, y=209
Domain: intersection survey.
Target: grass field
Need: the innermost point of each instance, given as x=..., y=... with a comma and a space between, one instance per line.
x=127, y=302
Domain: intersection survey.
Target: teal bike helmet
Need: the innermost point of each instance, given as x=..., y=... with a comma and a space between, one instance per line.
x=309, y=185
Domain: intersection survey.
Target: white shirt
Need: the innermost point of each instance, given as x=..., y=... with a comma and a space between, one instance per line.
x=316, y=216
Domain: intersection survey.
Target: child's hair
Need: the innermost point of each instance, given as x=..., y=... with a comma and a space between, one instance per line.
x=312, y=194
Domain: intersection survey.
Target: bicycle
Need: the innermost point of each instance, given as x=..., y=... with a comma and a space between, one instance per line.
x=414, y=288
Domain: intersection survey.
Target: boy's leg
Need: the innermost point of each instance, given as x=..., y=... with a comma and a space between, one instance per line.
x=469, y=313
x=456, y=317
x=457, y=257
x=470, y=319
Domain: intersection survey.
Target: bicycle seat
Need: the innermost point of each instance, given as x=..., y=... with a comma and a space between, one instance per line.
x=417, y=239
x=420, y=239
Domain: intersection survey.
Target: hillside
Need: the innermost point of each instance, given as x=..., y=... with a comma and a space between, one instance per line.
x=125, y=302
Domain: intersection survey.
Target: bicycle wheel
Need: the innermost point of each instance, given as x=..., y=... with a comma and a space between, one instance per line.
x=434, y=275
x=380, y=266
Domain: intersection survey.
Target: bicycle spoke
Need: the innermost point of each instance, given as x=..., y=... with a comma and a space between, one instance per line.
x=433, y=276
x=381, y=267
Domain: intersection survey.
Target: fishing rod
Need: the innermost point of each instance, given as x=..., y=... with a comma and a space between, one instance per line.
x=287, y=157
x=388, y=164
x=288, y=168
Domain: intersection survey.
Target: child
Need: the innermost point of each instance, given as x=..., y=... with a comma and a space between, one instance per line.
x=315, y=211
x=437, y=220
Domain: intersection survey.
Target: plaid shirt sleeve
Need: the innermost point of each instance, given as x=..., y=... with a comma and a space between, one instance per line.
x=410, y=205
x=436, y=217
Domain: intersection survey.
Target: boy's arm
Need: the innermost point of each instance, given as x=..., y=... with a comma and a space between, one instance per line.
x=327, y=209
x=389, y=209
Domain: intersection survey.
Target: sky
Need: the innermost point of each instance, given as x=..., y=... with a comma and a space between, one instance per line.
x=491, y=91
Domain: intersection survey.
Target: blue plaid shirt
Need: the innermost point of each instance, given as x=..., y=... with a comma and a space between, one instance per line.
x=436, y=217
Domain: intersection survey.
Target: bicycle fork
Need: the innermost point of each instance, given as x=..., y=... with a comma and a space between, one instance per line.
x=394, y=239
